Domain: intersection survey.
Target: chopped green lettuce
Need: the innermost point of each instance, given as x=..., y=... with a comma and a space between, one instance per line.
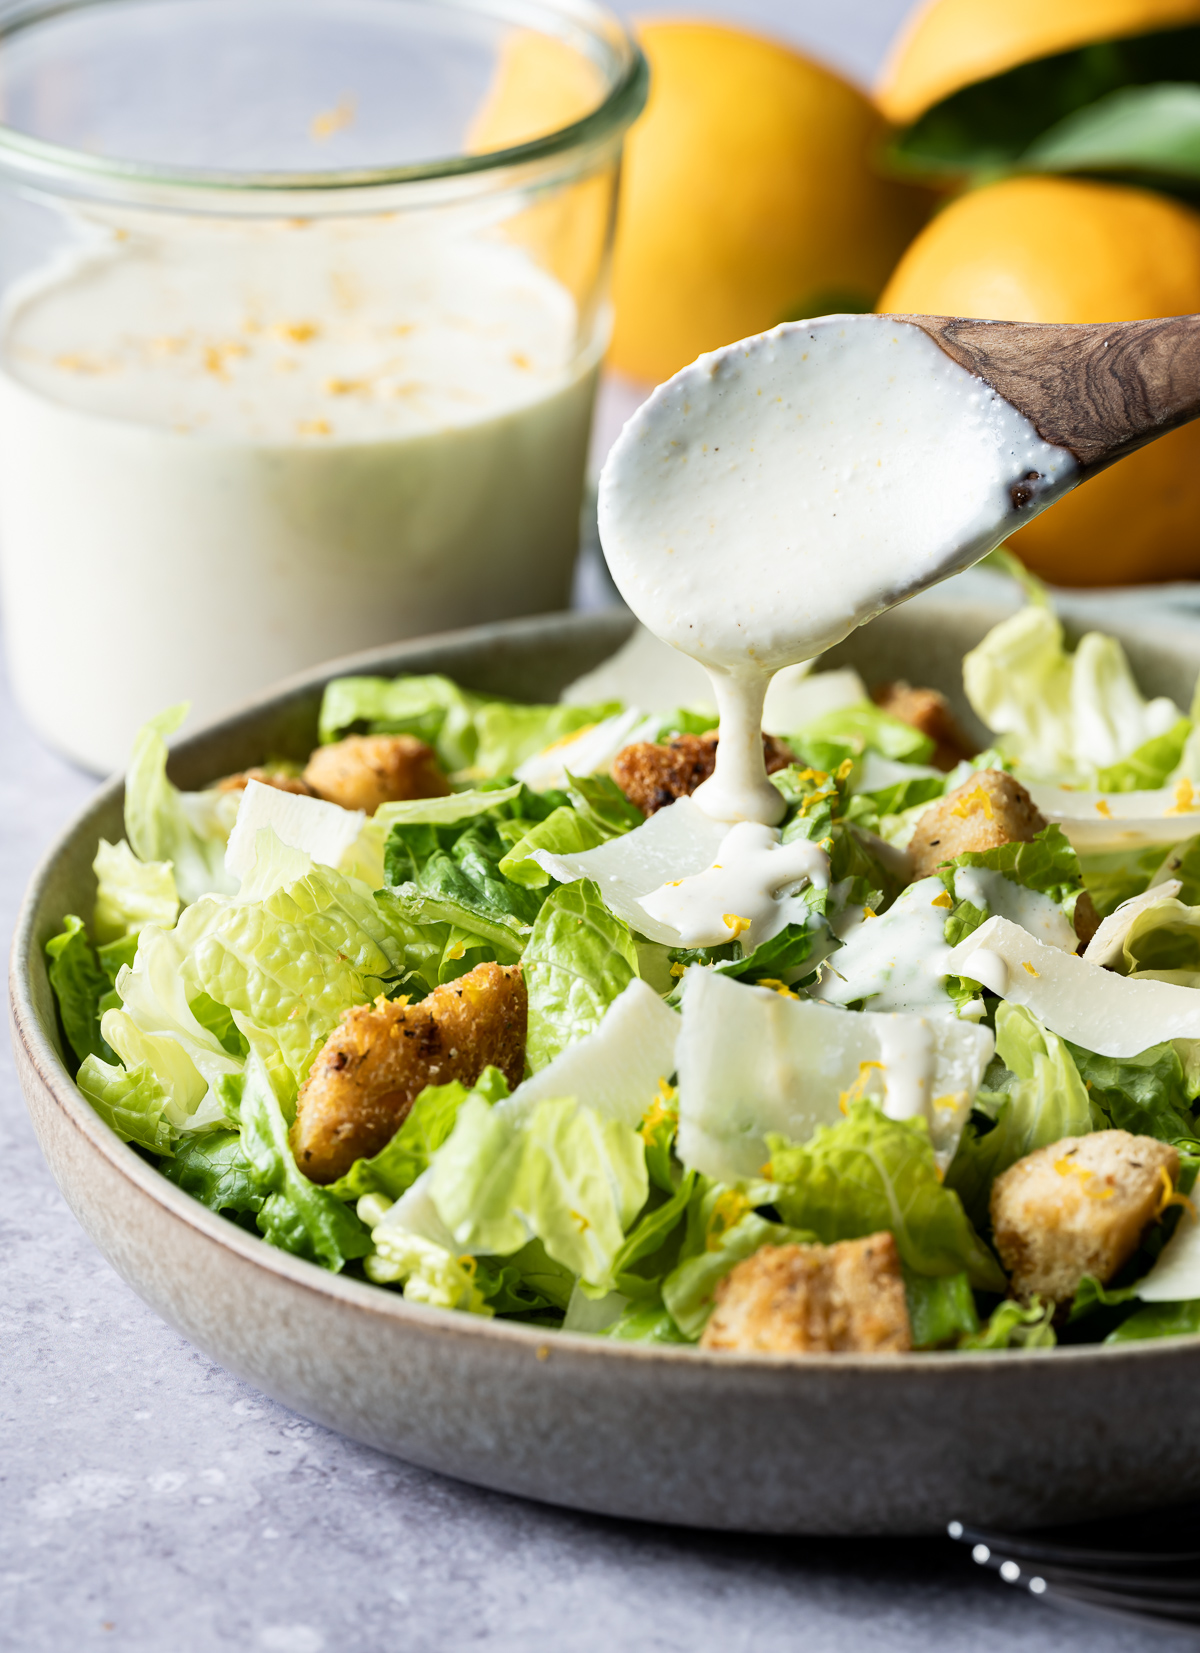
x=131, y=893
x=1047, y=865
x=1146, y=1095
x=579, y=960
x=1159, y=1320
x=941, y=1309
x=645, y=1323
x=1015, y=1326
x=723, y=1229
x=848, y=732
x=427, y=1125
x=1064, y=717
x=129, y=1100
x=558, y=1173
x=188, y=829
x=79, y=985
x=214, y=1168
x=1150, y=765
x=454, y=877
x=871, y=1173
x=296, y=1214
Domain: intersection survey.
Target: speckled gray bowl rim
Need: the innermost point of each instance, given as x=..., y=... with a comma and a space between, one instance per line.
x=449, y=1326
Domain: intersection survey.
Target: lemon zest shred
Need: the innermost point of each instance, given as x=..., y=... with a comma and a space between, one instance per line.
x=1025, y=965
x=735, y=924
x=943, y=900
x=776, y=986
x=1186, y=801
x=1103, y=809
x=977, y=799
x=1171, y=1196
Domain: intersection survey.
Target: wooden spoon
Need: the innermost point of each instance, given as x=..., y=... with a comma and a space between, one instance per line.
x=1102, y=391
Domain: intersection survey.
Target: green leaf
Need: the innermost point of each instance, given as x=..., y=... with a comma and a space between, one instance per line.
x=1016, y=1326
x=941, y=1309
x=992, y=124
x=1147, y=768
x=79, y=985
x=429, y=1123
x=218, y=1019
x=130, y=1101
x=1048, y=865
x=723, y=1229
x=508, y=734
x=1140, y=129
x=579, y=958
x=459, y=882
x=848, y=732
x=648, y=1244
x=870, y=1173
x=566, y=832
x=529, y=1284
x=1158, y=1320
x=1145, y=1095
x=645, y=1323
x=188, y=829
x=600, y=799
x=1118, y=875
x=560, y=1173
x=131, y=893
x=296, y=1215
x=214, y=1168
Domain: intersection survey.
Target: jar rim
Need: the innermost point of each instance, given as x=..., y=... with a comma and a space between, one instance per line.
x=40, y=162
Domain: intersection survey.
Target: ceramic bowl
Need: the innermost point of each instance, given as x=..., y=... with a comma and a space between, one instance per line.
x=818, y=1444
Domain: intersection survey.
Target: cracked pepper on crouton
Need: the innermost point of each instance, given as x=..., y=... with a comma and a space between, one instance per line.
x=379, y=1058
x=1079, y=1207
x=989, y=809
x=652, y=776
x=813, y=1299
x=929, y=711
x=364, y=771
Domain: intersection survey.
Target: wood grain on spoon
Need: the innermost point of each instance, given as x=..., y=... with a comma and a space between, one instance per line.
x=1100, y=390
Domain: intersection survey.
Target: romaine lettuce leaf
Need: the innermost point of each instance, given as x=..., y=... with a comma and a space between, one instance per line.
x=459, y=882
x=131, y=893
x=79, y=985
x=1048, y=865
x=188, y=829
x=214, y=1168
x=1145, y=1095
x=645, y=1323
x=1162, y=943
x=130, y=1101
x=579, y=959
x=1159, y=1320
x=941, y=1309
x=1064, y=717
x=296, y=1215
x=428, y=1124
x=1118, y=875
x=509, y=734
x=723, y=1229
x=566, y=832
x=432, y=708
x=848, y=732
x=558, y=1173
x=1016, y=1326
x=871, y=1173
x=428, y=1272
x=1150, y=765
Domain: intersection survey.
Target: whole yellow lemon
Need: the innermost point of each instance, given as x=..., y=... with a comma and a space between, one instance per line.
x=749, y=196
x=1061, y=250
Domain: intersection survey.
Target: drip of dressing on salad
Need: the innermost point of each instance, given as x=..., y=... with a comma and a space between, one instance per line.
x=780, y=492
x=738, y=896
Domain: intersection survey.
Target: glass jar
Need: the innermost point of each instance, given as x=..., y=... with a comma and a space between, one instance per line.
x=303, y=306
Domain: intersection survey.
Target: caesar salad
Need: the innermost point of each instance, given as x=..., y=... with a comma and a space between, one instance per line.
x=479, y=1007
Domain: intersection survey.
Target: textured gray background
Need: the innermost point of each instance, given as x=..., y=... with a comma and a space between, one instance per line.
x=151, y=1503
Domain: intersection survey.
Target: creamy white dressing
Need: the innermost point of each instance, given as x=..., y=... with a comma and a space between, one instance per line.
x=780, y=492
x=242, y=450
x=738, y=897
x=993, y=893
x=897, y=961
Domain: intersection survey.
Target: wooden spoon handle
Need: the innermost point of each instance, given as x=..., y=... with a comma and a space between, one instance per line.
x=1100, y=391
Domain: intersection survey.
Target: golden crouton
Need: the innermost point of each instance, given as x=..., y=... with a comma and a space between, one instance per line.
x=1078, y=1207
x=278, y=778
x=813, y=1299
x=652, y=777
x=928, y=711
x=989, y=809
x=364, y=771
x=379, y=1058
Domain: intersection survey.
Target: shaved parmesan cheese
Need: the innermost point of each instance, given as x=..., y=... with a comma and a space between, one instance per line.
x=1073, y=997
x=797, y=695
x=644, y=672
x=753, y=1061
x=1175, y=1277
x=1107, y=946
x=615, y=1070
x=321, y=830
x=1099, y=821
x=674, y=843
x=588, y=751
